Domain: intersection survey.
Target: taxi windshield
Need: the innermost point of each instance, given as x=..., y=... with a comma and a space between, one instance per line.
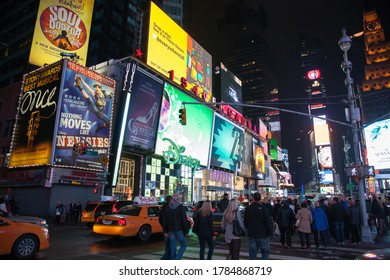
x=129, y=210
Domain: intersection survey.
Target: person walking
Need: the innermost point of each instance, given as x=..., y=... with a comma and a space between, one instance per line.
x=227, y=225
x=176, y=226
x=257, y=222
x=223, y=204
x=320, y=226
x=204, y=229
x=285, y=219
x=305, y=219
x=59, y=211
x=338, y=212
x=161, y=217
x=354, y=221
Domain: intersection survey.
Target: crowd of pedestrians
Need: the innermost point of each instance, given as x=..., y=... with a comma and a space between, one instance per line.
x=335, y=220
x=67, y=212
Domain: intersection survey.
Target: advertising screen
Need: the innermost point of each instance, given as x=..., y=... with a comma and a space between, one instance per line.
x=377, y=140
x=34, y=127
x=195, y=137
x=258, y=154
x=173, y=53
x=231, y=88
x=85, y=118
x=142, y=117
x=246, y=155
x=326, y=177
x=321, y=131
x=61, y=26
x=227, y=145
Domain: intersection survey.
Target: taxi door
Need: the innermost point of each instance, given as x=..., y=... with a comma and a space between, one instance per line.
x=153, y=214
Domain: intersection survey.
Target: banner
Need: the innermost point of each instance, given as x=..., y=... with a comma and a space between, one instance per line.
x=33, y=132
x=85, y=118
x=61, y=26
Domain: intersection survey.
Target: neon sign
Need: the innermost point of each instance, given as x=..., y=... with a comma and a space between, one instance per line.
x=174, y=155
x=313, y=74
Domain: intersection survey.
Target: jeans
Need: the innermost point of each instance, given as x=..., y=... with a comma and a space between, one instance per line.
x=255, y=244
x=304, y=237
x=167, y=252
x=339, y=231
x=177, y=235
x=202, y=246
x=323, y=236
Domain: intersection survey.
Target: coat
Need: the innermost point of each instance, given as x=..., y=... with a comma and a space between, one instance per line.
x=257, y=221
x=285, y=216
x=320, y=220
x=306, y=219
x=203, y=225
x=228, y=228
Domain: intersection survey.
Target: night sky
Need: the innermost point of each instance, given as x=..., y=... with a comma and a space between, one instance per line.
x=286, y=20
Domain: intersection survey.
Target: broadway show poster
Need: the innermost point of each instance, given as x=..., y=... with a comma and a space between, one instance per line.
x=195, y=137
x=258, y=154
x=227, y=145
x=85, y=118
x=61, y=26
x=377, y=142
x=35, y=123
x=246, y=156
x=142, y=118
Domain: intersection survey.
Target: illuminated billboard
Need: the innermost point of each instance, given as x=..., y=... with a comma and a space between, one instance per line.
x=321, y=131
x=326, y=177
x=143, y=111
x=32, y=142
x=227, y=144
x=258, y=154
x=173, y=53
x=228, y=88
x=377, y=141
x=85, y=118
x=195, y=137
x=247, y=155
x=61, y=26
x=325, y=159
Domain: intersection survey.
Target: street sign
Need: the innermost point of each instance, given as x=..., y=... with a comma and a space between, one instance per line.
x=350, y=186
x=368, y=171
x=352, y=171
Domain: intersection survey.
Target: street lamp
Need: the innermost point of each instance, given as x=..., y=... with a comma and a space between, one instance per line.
x=345, y=43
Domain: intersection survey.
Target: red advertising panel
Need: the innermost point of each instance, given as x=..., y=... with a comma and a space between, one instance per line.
x=84, y=124
x=35, y=123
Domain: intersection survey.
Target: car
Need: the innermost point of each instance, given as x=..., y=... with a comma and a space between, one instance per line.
x=27, y=219
x=22, y=239
x=131, y=220
x=214, y=205
x=110, y=207
x=88, y=214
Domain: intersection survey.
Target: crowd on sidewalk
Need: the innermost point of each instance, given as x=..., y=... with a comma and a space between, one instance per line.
x=336, y=220
x=67, y=212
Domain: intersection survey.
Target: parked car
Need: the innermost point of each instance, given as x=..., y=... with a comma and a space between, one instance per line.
x=27, y=219
x=110, y=207
x=88, y=214
x=22, y=239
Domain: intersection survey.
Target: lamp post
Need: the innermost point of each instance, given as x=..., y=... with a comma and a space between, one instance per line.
x=345, y=43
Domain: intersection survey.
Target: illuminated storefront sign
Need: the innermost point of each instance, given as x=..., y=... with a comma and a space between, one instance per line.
x=313, y=74
x=377, y=137
x=61, y=26
x=174, y=155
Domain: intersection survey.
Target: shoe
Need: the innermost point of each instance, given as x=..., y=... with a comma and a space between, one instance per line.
x=152, y=113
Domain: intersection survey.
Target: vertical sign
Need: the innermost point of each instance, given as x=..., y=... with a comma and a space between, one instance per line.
x=33, y=133
x=61, y=26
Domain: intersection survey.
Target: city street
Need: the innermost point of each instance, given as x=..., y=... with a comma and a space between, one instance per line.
x=77, y=242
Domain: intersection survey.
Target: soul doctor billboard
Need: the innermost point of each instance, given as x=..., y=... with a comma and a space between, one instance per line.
x=85, y=118
x=61, y=26
x=173, y=53
x=32, y=140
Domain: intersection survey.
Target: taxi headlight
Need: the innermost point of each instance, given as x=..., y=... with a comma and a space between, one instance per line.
x=45, y=232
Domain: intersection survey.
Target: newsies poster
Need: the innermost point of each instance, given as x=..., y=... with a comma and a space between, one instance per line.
x=84, y=119
x=32, y=140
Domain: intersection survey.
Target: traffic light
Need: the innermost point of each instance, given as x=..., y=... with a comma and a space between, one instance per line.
x=83, y=149
x=182, y=116
x=76, y=149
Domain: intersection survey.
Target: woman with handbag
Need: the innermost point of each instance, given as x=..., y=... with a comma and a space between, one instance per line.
x=234, y=241
x=204, y=229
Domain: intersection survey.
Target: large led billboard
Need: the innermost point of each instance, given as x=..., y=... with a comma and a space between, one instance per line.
x=326, y=177
x=32, y=142
x=173, y=53
x=230, y=87
x=227, y=145
x=321, y=131
x=85, y=118
x=142, y=117
x=61, y=26
x=246, y=155
x=377, y=141
x=195, y=136
x=258, y=154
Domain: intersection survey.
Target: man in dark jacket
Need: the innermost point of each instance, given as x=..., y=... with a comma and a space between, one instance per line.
x=257, y=221
x=161, y=217
x=223, y=204
x=175, y=226
x=338, y=212
x=285, y=219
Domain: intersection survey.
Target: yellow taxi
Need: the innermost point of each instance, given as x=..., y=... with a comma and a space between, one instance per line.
x=88, y=214
x=139, y=219
x=21, y=239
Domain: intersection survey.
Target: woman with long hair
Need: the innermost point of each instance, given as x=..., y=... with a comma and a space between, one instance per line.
x=227, y=225
x=204, y=229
